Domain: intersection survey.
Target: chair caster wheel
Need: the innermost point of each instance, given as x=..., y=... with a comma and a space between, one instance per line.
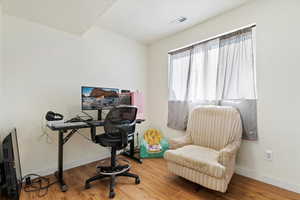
x=112, y=195
x=137, y=181
x=87, y=186
x=98, y=170
x=64, y=188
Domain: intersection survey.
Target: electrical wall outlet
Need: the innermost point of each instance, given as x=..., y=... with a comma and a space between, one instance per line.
x=269, y=155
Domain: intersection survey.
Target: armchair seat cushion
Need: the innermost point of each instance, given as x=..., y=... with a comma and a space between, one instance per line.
x=198, y=158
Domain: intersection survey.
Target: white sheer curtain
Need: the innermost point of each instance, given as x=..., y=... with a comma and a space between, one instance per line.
x=236, y=67
x=220, y=70
x=236, y=81
x=204, y=67
x=178, y=75
x=179, y=72
x=192, y=81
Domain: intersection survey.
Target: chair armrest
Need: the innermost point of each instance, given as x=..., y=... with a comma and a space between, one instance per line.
x=228, y=152
x=176, y=143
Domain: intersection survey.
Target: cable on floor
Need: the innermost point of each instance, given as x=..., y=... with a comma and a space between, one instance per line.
x=35, y=183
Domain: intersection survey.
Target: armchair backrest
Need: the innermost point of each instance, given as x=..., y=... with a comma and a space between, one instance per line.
x=214, y=126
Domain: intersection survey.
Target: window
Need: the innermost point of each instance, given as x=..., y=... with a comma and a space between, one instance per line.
x=213, y=72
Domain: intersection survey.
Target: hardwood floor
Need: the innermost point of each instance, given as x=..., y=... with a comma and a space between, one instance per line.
x=158, y=183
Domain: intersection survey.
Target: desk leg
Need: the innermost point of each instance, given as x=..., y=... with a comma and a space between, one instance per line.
x=132, y=147
x=130, y=153
x=59, y=175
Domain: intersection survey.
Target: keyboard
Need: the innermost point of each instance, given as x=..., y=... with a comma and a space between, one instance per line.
x=68, y=124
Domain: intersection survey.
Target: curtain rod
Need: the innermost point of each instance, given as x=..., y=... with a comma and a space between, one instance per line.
x=209, y=39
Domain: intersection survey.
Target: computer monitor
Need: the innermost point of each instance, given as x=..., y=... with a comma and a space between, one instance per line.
x=97, y=98
x=125, y=98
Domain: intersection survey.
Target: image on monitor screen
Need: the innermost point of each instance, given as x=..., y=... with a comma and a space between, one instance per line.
x=94, y=98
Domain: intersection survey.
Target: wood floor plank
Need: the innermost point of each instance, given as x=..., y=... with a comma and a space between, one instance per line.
x=157, y=183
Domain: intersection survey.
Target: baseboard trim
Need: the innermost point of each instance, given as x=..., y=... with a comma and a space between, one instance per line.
x=70, y=165
x=272, y=181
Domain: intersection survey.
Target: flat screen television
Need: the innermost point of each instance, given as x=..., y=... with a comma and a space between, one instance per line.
x=97, y=98
x=12, y=166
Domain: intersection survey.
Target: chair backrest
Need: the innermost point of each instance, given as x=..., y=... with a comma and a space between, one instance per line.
x=214, y=126
x=120, y=121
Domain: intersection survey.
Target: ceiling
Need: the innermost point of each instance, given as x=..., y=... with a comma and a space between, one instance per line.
x=73, y=16
x=143, y=20
x=149, y=20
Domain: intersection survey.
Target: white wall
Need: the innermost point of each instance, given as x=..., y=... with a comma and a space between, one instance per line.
x=278, y=82
x=1, y=65
x=44, y=70
x=2, y=101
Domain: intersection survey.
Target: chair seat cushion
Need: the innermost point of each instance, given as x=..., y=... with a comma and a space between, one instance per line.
x=199, y=158
x=109, y=141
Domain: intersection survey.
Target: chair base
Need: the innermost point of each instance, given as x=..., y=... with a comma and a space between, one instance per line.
x=112, y=180
x=108, y=170
x=112, y=171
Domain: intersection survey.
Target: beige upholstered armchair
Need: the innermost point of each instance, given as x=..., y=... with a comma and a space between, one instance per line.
x=206, y=154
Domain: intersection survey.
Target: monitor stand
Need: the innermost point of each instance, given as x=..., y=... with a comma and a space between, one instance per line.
x=100, y=114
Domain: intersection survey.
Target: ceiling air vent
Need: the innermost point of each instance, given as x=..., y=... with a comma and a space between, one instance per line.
x=179, y=20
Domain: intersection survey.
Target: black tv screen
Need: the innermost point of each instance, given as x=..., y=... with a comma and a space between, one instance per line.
x=12, y=166
x=96, y=98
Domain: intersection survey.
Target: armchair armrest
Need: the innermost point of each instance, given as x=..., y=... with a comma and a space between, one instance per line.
x=228, y=152
x=176, y=143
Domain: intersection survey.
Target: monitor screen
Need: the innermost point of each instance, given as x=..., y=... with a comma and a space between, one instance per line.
x=95, y=98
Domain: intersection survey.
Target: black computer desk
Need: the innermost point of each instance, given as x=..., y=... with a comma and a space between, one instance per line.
x=70, y=131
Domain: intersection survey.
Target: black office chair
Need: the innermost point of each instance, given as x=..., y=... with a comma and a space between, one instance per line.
x=119, y=127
